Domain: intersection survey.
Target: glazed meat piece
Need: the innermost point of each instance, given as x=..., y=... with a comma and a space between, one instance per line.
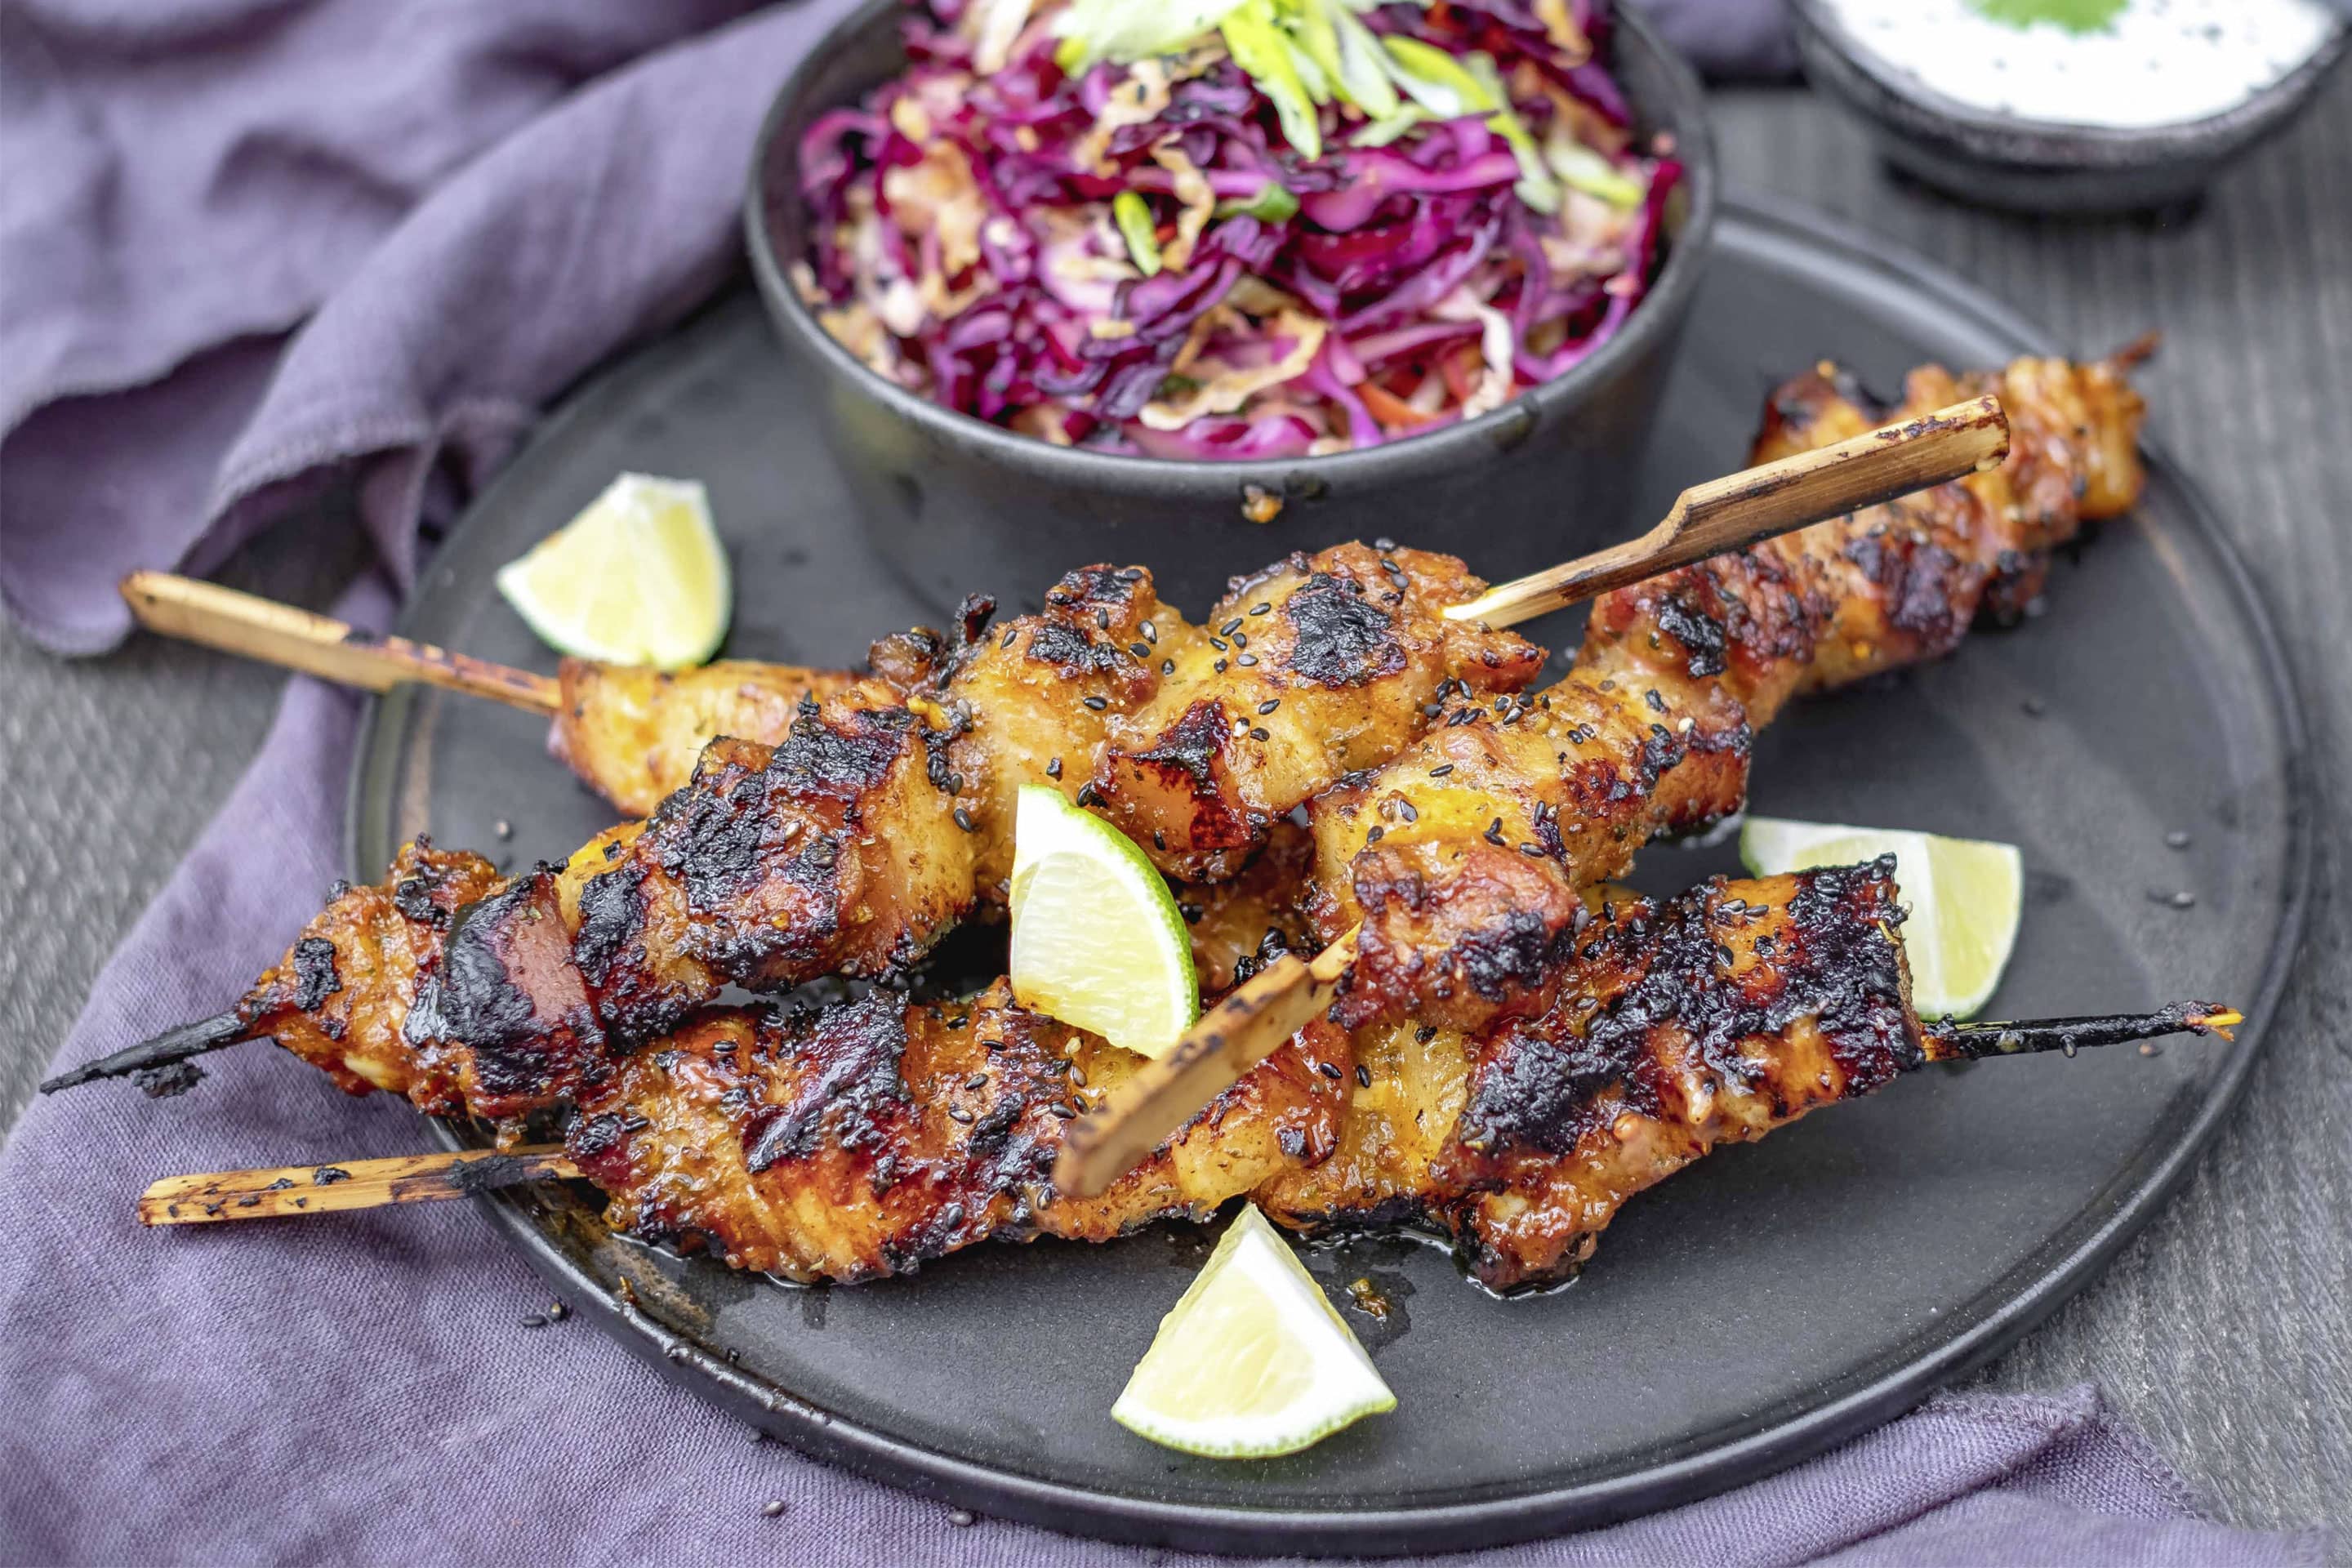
x=833, y=852
x=1463, y=855
x=1896, y=584
x=632, y=734
x=1303, y=673
x=1710, y=1019
x=868, y=1138
x=340, y=995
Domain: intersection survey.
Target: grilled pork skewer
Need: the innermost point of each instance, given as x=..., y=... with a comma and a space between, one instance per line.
x=868, y=1138
x=1446, y=876
x=851, y=845
x=633, y=734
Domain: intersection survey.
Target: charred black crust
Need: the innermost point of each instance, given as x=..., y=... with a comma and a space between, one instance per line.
x=1071, y=653
x=1192, y=746
x=315, y=978
x=1701, y=635
x=1544, y=1084
x=1340, y=639
x=505, y=993
x=848, y=1087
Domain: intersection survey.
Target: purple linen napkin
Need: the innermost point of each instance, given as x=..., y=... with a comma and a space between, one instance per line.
x=370, y=1389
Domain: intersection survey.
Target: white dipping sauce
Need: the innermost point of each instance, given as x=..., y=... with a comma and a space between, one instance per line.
x=2158, y=62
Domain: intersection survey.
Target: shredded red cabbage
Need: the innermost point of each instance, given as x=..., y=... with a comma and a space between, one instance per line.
x=1136, y=258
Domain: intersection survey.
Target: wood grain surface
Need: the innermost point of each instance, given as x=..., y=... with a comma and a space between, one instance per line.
x=2225, y=1330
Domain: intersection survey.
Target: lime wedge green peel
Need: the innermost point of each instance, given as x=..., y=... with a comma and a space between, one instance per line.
x=1098, y=941
x=1252, y=1361
x=1964, y=896
x=639, y=578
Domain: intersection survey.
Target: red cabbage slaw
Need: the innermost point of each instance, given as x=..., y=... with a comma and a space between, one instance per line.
x=1234, y=228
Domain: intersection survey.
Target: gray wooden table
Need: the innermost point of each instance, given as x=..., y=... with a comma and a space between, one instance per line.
x=2225, y=1330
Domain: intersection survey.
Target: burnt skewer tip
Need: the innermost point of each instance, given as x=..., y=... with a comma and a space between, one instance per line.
x=165, y=1050
x=1948, y=1041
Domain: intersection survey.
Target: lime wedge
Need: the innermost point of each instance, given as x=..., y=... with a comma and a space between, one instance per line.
x=1964, y=896
x=1252, y=1361
x=637, y=578
x=1097, y=938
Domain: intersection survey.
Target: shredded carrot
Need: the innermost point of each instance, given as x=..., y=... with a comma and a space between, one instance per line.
x=1393, y=413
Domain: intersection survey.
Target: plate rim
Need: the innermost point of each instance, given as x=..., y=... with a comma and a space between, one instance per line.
x=1525, y=1515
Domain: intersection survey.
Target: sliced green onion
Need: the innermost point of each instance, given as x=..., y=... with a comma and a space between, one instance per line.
x=1364, y=67
x=1436, y=80
x=1262, y=49
x=1380, y=132
x=1273, y=203
x=1133, y=216
x=1127, y=30
x=1580, y=168
x=1536, y=186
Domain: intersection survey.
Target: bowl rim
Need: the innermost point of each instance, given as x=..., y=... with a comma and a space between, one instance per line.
x=1684, y=104
x=2029, y=139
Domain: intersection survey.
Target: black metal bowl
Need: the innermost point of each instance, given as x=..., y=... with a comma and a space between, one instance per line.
x=2040, y=166
x=959, y=504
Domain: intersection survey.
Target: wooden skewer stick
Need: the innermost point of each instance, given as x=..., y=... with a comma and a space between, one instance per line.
x=319, y=644
x=1724, y=514
x=283, y=1190
x=1741, y=508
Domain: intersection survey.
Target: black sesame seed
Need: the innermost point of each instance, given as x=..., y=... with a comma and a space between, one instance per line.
x=1363, y=1075
x=772, y=1507
x=1532, y=851
x=1441, y=770
x=1269, y=705
x=1102, y=620
x=1384, y=545
x=1425, y=1034
x=1160, y=840
x=1657, y=703
x=1054, y=768
x=1229, y=628
x=962, y=1517
x=958, y=1113
x=1405, y=810
x=1095, y=704
x=1221, y=645
x=1010, y=633
x=1258, y=734
x=1150, y=633
x=1261, y=608
x=1246, y=659
x=1139, y=651
x=1219, y=666
x=1375, y=834
x=533, y=1320
x=1167, y=667
x=557, y=1311
x=1062, y=1110
x=977, y=1080
x=963, y=820
x=1329, y=1070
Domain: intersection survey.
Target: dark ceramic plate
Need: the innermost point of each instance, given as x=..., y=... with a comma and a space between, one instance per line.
x=1766, y=1304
